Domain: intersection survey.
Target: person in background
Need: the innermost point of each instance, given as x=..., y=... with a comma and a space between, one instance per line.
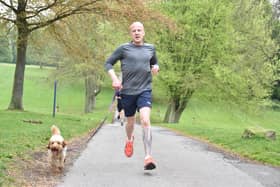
x=120, y=110
x=138, y=63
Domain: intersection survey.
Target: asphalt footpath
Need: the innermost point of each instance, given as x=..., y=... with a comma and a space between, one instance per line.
x=181, y=162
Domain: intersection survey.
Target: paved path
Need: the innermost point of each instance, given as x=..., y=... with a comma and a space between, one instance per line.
x=181, y=162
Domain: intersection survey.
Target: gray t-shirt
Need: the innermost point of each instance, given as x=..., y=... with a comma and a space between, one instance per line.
x=136, y=62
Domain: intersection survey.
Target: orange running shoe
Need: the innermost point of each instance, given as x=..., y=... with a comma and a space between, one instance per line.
x=149, y=163
x=128, y=150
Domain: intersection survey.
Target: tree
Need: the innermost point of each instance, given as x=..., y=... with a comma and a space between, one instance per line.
x=201, y=40
x=255, y=50
x=276, y=37
x=84, y=48
x=29, y=16
x=222, y=47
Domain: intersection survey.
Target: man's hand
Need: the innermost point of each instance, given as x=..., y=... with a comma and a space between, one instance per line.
x=116, y=84
x=155, y=69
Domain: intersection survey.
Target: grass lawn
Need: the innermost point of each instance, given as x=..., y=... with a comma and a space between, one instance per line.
x=18, y=138
x=223, y=125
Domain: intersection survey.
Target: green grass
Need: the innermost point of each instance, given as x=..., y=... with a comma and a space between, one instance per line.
x=18, y=138
x=224, y=125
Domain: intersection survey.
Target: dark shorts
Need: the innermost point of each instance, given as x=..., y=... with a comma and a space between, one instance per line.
x=131, y=103
x=119, y=105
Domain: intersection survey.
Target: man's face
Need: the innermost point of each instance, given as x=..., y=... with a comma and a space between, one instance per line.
x=137, y=33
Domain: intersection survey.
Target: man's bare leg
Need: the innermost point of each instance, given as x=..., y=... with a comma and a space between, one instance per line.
x=130, y=127
x=147, y=133
x=128, y=150
x=149, y=162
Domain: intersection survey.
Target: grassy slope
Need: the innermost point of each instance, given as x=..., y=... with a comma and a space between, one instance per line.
x=19, y=138
x=224, y=126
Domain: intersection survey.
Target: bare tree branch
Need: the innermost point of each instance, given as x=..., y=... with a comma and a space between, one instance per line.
x=77, y=10
x=11, y=3
x=7, y=19
x=37, y=12
x=8, y=6
x=25, y=3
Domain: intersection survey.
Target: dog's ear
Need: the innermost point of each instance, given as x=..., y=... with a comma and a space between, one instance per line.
x=49, y=145
x=64, y=143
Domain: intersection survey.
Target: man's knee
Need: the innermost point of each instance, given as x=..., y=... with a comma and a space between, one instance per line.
x=130, y=121
x=145, y=120
x=145, y=116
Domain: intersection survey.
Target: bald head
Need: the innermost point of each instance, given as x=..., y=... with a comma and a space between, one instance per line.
x=137, y=33
x=136, y=23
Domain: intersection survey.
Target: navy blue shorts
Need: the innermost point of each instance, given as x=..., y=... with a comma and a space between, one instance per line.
x=119, y=105
x=131, y=103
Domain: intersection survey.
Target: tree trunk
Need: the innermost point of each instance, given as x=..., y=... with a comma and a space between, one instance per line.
x=174, y=112
x=176, y=107
x=17, y=93
x=91, y=90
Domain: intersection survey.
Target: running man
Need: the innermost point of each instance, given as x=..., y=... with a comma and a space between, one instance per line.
x=138, y=63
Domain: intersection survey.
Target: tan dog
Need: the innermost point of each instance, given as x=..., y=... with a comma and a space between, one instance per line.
x=57, y=149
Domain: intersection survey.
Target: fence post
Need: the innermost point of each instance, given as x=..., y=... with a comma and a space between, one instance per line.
x=54, y=98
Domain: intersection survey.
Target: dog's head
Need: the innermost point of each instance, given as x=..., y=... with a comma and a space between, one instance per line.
x=56, y=142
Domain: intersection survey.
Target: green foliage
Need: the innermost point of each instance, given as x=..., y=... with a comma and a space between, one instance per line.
x=254, y=50
x=43, y=50
x=201, y=40
x=5, y=52
x=84, y=47
x=276, y=91
x=223, y=46
x=276, y=37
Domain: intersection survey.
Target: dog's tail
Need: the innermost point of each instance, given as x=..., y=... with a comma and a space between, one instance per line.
x=55, y=130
